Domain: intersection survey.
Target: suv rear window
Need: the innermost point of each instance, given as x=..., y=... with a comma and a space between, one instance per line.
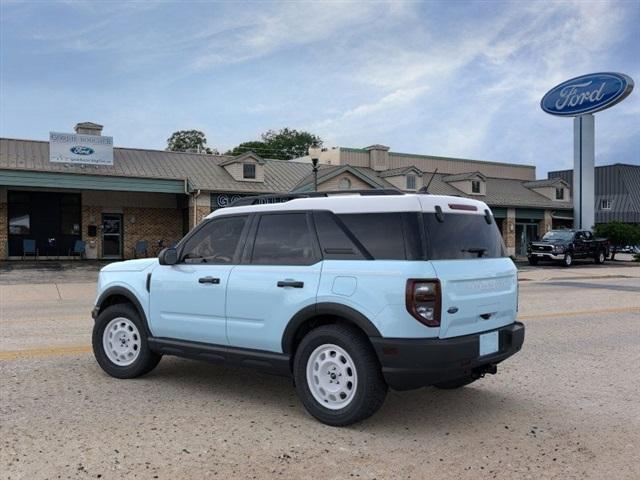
x=461, y=236
x=386, y=236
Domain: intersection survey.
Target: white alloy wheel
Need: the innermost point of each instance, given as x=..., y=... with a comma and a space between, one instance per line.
x=121, y=341
x=601, y=257
x=568, y=259
x=332, y=376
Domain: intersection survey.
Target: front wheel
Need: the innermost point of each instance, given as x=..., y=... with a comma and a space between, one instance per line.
x=567, y=261
x=120, y=343
x=532, y=260
x=337, y=375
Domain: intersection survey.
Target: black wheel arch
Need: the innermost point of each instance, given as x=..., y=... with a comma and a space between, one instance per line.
x=323, y=313
x=115, y=295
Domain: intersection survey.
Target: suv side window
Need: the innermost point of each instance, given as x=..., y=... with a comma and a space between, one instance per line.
x=386, y=236
x=334, y=242
x=283, y=239
x=216, y=242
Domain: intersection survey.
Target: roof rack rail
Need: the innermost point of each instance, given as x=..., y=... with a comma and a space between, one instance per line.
x=285, y=197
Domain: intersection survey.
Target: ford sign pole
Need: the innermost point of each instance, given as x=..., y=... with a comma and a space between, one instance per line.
x=580, y=97
x=584, y=171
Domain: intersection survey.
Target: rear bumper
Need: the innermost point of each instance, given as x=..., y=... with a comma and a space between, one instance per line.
x=414, y=363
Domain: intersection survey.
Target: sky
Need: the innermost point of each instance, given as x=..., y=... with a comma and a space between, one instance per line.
x=446, y=78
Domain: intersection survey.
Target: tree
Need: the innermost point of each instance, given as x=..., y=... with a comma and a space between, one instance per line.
x=257, y=147
x=188, y=141
x=284, y=144
x=619, y=234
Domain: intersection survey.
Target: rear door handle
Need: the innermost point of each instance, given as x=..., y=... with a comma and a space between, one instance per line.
x=290, y=283
x=212, y=280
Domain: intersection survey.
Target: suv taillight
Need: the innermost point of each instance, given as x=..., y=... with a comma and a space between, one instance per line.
x=423, y=301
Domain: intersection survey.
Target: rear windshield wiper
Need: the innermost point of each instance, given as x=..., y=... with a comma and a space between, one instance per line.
x=479, y=251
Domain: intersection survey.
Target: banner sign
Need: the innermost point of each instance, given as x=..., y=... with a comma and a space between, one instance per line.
x=80, y=149
x=221, y=200
x=587, y=94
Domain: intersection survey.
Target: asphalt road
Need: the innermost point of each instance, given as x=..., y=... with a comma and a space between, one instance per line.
x=567, y=406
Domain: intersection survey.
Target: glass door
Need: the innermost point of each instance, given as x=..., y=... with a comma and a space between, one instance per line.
x=525, y=233
x=111, y=235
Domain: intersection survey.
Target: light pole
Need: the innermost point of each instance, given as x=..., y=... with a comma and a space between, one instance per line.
x=314, y=153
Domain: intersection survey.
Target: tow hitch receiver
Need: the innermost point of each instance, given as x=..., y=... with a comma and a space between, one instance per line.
x=480, y=372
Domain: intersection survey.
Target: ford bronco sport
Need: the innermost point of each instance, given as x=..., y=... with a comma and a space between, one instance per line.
x=348, y=294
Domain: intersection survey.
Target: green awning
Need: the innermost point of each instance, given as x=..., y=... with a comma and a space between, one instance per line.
x=530, y=213
x=24, y=178
x=499, y=212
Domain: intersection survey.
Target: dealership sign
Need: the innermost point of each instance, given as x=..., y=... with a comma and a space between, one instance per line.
x=587, y=94
x=80, y=149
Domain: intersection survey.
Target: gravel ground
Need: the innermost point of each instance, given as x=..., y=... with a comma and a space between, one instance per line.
x=565, y=407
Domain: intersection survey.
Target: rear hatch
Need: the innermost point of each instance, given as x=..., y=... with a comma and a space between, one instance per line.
x=477, y=295
x=478, y=281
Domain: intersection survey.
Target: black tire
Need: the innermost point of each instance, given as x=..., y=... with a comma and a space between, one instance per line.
x=600, y=257
x=146, y=359
x=453, y=384
x=532, y=260
x=371, y=388
x=567, y=261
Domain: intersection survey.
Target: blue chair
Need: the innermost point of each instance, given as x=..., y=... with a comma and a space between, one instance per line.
x=29, y=248
x=79, y=248
x=141, y=248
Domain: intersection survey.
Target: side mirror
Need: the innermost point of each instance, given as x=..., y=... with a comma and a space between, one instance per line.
x=168, y=256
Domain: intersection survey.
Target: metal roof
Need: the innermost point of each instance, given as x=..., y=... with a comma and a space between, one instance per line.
x=619, y=184
x=547, y=182
x=205, y=172
x=201, y=170
x=463, y=176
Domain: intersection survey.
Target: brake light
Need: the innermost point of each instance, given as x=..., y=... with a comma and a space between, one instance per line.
x=462, y=206
x=423, y=300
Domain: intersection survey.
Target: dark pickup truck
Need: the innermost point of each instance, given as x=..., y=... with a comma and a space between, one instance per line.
x=566, y=245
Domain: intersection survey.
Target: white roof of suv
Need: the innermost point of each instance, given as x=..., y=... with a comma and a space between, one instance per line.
x=355, y=203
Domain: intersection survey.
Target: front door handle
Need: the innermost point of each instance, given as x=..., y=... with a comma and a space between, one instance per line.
x=212, y=280
x=290, y=283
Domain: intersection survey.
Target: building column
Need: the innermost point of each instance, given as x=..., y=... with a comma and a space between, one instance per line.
x=199, y=207
x=4, y=225
x=546, y=224
x=509, y=231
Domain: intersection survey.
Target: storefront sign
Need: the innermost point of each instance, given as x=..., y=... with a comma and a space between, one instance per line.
x=587, y=94
x=80, y=149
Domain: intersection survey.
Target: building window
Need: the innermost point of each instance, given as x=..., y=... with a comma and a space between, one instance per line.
x=249, y=170
x=475, y=186
x=605, y=204
x=411, y=182
x=559, y=193
x=344, y=184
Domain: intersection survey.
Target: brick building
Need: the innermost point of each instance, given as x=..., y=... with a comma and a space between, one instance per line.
x=156, y=196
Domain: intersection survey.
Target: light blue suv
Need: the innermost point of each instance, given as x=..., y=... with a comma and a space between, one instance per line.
x=348, y=294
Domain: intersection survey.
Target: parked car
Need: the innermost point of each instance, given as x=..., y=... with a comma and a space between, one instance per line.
x=347, y=294
x=565, y=246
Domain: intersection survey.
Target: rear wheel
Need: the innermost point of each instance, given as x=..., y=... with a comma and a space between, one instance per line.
x=457, y=383
x=120, y=343
x=600, y=257
x=567, y=261
x=337, y=375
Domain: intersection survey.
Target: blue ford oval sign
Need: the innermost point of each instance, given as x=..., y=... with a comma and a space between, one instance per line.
x=80, y=150
x=587, y=94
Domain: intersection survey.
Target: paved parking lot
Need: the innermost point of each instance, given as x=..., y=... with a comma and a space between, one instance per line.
x=565, y=407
